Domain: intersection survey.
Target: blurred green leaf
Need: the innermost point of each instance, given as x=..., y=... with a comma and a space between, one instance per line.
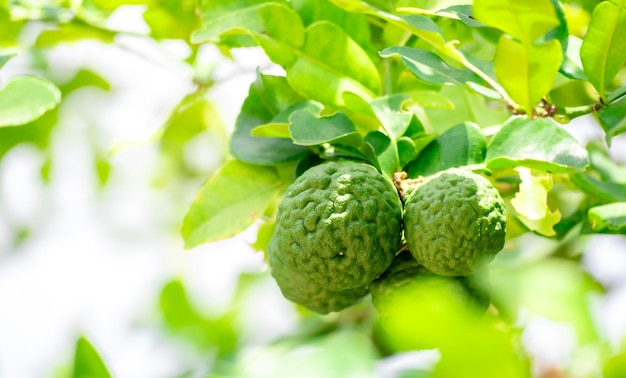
x=613, y=118
x=345, y=353
x=25, y=98
x=172, y=19
x=609, y=219
x=430, y=68
x=603, y=51
x=272, y=130
x=462, y=145
x=538, y=144
x=527, y=71
x=87, y=361
x=615, y=367
x=184, y=320
x=308, y=128
x=524, y=20
x=4, y=59
x=76, y=31
x=531, y=202
x=229, y=202
x=268, y=97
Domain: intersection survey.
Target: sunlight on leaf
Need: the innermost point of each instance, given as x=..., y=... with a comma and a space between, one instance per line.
x=531, y=202
x=26, y=98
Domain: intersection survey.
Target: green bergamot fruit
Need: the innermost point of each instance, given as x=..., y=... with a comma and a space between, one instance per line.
x=405, y=273
x=455, y=222
x=339, y=225
x=306, y=293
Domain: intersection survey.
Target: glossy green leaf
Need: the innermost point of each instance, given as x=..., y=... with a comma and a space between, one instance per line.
x=613, y=118
x=390, y=111
x=605, y=190
x=462, y=145
x=527, y=72
x=269, y=96
x=538, y=144
x=308, y=128
x=430, y=68
x=229, y=202
x=531, y=202
x=523, y=20
x=603, y=51
x=87, y=361
x=610, y=219
x=25, y=98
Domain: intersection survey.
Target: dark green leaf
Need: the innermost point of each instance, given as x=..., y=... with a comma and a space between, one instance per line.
x=269, y=97
x=613, y=118
x=87, y=361
x=538, y=144
x=603, y=51
x=609, y=219
x=229, y=202
x=25, y=98
x=464, y=13
x=461, y=145
x=524, y=20
x=307, y=128
x=431, y=68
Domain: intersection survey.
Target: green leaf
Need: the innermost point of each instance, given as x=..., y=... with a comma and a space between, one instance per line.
x=430, y=68
x=523, y=20
x=571, y=66
x=605, y=190
x=172, y=19
x=406, y=150
x=615, y=367
x=462, y=145
x=229, y=202
x=25, y=98
x=275, y=26
x=272, y=130
x=268, y=97
x=4, y=59
x=390, y=111
x=87, y=361
x=182, y=319
x=603, y=51
x=382, y=152
x=609, y=219
x=613, y=118
x=531, y=202
x=331, y=64
x=464, y=13
x=308, y=128
x=539, y=144
x=72, y=33
x=527, y=72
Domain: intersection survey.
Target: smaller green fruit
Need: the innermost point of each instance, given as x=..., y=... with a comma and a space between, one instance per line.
x=455, y=222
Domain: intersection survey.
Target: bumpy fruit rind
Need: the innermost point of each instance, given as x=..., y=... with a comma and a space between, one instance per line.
x=339, y=225
x=455, y=222
x=299, y=290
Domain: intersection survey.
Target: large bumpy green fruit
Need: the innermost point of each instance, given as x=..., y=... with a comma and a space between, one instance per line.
x=309, y=294
x=455, y=222
x=339, y=225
